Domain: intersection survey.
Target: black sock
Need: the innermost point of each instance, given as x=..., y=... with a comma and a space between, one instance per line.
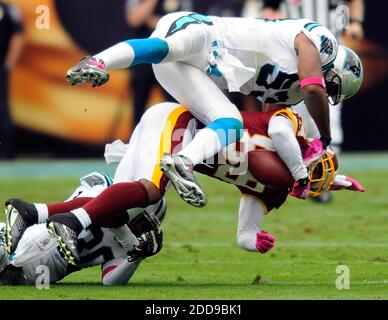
x=69, y=220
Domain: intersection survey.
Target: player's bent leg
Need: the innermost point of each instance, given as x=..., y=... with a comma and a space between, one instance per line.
x=139, y=180
x=119, y=271
x=153, y=50
x=117, y=198
x=194, y=89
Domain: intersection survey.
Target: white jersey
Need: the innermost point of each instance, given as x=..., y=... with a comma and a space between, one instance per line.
x=268, y=47
x=253, y=56
x=37, y=247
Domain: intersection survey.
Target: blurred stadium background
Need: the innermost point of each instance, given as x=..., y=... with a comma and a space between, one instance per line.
x=55, y=121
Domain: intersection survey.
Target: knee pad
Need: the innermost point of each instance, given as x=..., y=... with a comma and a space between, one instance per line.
x=229, y=130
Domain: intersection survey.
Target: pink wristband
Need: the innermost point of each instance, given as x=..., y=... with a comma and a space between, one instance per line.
x=313, y=80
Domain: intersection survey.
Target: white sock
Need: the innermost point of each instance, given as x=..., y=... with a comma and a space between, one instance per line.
x=83, y=217
x=125, y=236
x=205, y=144
x=119, y=56
x=42, y=212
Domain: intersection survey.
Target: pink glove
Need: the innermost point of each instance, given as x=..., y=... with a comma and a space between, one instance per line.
x=301, y=189
x=264, y=241
x=343, y=182
x=314, y=151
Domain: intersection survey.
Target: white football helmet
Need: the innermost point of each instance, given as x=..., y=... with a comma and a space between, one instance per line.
x=344, y=78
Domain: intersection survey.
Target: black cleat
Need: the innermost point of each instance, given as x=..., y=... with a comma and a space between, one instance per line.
x=13, y=276
x=67, y=240
x=20, y=215
x=179, y=169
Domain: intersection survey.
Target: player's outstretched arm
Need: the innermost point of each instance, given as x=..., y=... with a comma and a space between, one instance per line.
x=313, y=85
x=119, y=271
x=282, y=133
x=249, y=235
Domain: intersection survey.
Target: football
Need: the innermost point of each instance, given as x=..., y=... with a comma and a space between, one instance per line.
x=267, y=167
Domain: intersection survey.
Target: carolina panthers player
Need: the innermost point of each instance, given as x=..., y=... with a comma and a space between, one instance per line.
x=113, y=249
x=281, y=62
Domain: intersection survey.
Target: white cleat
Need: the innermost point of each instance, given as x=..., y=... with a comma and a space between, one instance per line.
x=179, y=169
x=88, y=70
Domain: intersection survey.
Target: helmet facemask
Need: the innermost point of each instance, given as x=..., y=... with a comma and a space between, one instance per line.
x=322, y=173
x=333, y=87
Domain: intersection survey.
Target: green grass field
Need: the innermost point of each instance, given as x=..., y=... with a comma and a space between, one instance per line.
x=201, y=260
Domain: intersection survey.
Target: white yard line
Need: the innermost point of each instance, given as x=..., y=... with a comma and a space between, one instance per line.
x=301, y=244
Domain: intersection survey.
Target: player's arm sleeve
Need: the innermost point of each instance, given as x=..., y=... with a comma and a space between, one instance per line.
x=250, y=218
x=118, y=271
x=282, y=133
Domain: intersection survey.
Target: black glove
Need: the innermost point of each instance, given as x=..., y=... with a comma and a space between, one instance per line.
x=150, y=243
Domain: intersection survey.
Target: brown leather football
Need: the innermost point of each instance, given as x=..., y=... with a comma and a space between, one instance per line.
x=267, y=167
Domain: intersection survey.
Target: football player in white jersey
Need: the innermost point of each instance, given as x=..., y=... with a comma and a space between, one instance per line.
x=340, y=17
x=111, y=248
x=194, y=57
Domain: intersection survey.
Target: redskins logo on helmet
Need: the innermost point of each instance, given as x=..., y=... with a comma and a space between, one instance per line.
x=322, y=173
x=344, y=78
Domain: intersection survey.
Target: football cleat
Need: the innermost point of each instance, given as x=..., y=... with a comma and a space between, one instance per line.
x=88, y=70
x=67, y=240
x=13, y=276
x=20, y=215
x=179, y=169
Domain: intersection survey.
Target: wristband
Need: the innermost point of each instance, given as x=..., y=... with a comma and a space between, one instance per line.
x=313, y=80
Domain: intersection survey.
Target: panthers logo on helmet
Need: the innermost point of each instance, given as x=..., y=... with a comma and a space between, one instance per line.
x=353, y=65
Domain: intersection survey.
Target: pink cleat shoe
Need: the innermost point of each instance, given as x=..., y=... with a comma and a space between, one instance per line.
x=88, y=70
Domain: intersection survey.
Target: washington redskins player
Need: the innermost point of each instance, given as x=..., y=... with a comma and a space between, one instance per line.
x=140, y=182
